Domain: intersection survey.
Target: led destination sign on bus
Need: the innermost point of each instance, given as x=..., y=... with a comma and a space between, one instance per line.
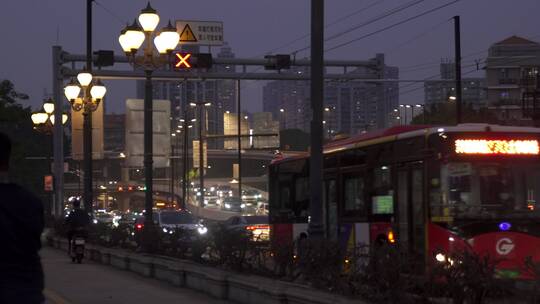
x=497, y=147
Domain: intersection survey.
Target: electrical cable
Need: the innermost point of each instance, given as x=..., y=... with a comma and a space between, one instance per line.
x=391, y=26
x=341, y=19
x=115, y=16
x=375, y=19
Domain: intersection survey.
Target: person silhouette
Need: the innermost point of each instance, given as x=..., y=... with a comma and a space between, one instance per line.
x=21, y=225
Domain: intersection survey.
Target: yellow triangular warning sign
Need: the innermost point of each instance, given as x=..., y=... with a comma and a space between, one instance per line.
x=187, y=35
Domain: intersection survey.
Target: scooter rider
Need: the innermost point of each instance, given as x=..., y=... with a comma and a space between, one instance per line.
x=77, y=221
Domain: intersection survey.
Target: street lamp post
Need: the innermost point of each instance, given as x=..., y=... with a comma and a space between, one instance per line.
x=44, y=123
x=328, y=113
x=408, y=106
x=184, y=129
x=401, y=106
x=202, y=119
x=131, y=39
x=93, y=93
x=423, y=112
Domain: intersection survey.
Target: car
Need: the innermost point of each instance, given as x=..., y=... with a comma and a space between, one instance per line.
x=224, y=191
x=212, y=200
x=251, y=197
x=103, y=217
x=170, y=221
x=234, y=204
x=257, y=226
x=127, y=218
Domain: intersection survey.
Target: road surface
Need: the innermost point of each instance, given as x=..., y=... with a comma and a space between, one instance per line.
x=69, y=283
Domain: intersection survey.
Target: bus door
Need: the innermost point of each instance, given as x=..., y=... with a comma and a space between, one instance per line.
x=410, y=204
x=330, y=207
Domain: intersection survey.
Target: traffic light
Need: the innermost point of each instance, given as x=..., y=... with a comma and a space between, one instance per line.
x=104, y=58
x=186, y=61
x=277, y=62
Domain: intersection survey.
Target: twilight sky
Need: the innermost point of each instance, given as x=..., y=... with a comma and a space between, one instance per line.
x=30, y=27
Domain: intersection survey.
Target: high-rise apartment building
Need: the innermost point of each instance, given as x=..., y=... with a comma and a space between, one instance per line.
x=264, y=124
x=440, y=91
x=350, y=107
x=512, y=64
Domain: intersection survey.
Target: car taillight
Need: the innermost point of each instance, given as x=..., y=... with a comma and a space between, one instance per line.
x=139, y=226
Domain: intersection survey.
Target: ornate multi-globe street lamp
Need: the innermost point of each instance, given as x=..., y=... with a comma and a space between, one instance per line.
x=93, y=93
x=132, y=38
x=44, y=122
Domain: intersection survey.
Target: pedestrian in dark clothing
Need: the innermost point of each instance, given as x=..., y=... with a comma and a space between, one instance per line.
x=21, y=225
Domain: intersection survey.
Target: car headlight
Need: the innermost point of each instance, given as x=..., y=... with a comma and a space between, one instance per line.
x=165, y=230
x=259, y=195
x=206, y=202
x=95, y=221
x=227, y=205
x=202, y=230
x=218, y=201
x=440, y=257
x=243, y=206
x=244, y=196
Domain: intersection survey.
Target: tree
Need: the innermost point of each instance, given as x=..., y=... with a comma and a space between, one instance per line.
x=445, y=114
x=8, y=95
x=15, y=121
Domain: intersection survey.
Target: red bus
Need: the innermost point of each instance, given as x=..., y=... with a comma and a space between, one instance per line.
x=431, y=190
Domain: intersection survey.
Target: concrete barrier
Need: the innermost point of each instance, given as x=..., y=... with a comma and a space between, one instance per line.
x=169, y=271
x=120, y=261
x=217, y=282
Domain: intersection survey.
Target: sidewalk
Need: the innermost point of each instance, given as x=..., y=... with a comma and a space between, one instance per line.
x=69, y=283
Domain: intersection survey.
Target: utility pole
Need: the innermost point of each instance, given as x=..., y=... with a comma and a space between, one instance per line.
x=239, y=120
x=87, y=119
x=185, y=147
x=316, y=225
x=58, y=133
x=173, y=163
x=201, y=147
x=457, y=37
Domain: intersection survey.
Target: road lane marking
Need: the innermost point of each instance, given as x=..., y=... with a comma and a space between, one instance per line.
x=54, y=297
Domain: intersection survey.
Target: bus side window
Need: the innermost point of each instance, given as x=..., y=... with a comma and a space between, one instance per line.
x=382, y=193
x=354, y=195
x=301, y=198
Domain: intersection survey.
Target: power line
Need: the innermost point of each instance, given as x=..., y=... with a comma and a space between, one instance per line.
x=414, y=38
x=115, y=16
x=338, y=20
x=430, y=66
x=392, y=26
x=384, y=15
x=437, y=63
x=375, y=19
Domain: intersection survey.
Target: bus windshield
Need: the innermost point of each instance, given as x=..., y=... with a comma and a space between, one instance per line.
x=488, y=190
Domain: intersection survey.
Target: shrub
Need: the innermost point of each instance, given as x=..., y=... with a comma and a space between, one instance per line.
x=466, y=277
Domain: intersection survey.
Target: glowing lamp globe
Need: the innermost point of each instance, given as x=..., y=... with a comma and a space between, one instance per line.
x=148, y=18
x=98, y=90
x=72, y=90
x=84, y=78
x=39, y=118
x=48, y=106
